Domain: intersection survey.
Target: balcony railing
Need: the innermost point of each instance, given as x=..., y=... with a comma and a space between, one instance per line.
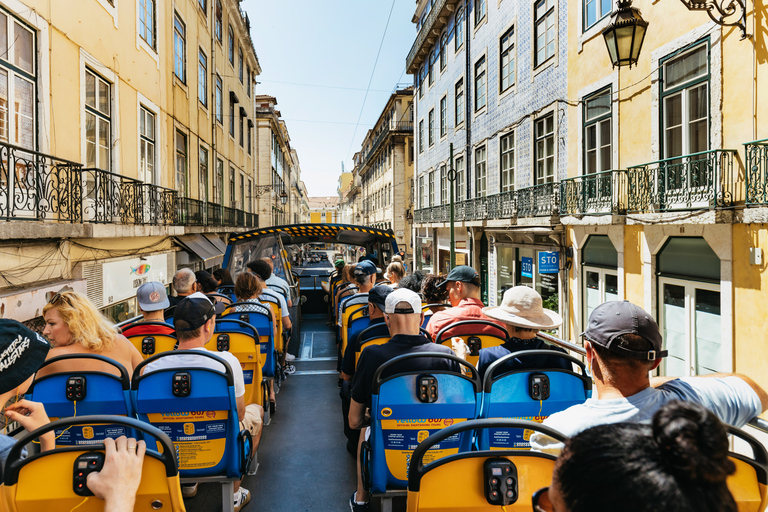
x=400, y=126
x=538, y=200
x=426, y=29
x=36, y=186
x=594, y=194
x=756, y=162
x=699, y=180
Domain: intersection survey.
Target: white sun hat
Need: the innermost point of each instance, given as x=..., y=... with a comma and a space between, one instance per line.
x=521, y=306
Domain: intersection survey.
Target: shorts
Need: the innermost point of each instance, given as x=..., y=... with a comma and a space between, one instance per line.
x=253, y=420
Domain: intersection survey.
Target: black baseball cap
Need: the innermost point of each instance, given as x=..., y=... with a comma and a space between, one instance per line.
x=611, y=320
x=378, y=295
x=462, y=273
x=194, y=311
x=22, y=352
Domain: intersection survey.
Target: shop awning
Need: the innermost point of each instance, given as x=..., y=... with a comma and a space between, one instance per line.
x=217, y=242
x=201, y=247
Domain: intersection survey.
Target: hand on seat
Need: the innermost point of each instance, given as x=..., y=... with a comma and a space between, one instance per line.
x=119, y=479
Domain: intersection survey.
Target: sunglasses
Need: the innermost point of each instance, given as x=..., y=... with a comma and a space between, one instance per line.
x=58, y=298
x=541, y=502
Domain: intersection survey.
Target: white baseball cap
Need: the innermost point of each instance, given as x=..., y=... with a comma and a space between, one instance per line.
x=397, y=297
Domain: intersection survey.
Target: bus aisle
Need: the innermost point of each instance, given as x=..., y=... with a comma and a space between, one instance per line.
x=303, y=465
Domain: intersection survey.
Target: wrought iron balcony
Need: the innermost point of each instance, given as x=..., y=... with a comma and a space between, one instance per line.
x=190, y=212
x=538, y=200
x=600, y=193
x=502, y=206
x=699, y=180
x=399, y=126
x=756, y=162
x=433, y=24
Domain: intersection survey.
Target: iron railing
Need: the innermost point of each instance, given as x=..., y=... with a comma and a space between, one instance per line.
x=425, y=32
x=756, y=162
x=399, y=126
x=228, y=216
x=190, y=212
x=596, y=194
x=698, y=180
x=538, y=200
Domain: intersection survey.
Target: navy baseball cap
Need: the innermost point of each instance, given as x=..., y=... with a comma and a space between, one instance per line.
x=152, y=297
x=609, y=321
x=22, y=352
x=462, y=273
x=378, y=295
x=366, y=268
x=194, y=311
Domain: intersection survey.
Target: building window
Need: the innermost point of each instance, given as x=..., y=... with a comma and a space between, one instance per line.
x=480, y=172
x=685, y=103
x=431, y=70
x=432, y=127
x=179, y=48
x=422, y=192
x=240, y=64
x=218, y=182
x=508, y=162
x=544, y=28
x=460, y=181
x=432, y=188
x=231, y=46
x=146, y=145
x=458, y=41
x=232, y=118
x=250, y=129
x=443, y=51
x=421, y=136
x=147, y=29
x=219, y=101
x=248, y=82
x=203, y=174
x=507, y=59
x=232, y=195
x=443, y=185
x=481, y=10
x=98, y=132
x=17, y=83
x=480, y=84
x=458, y=102
x=241, y=122
x=181, y=164
x=218, y=25
x=595, y=10
x=443, y=114
x=242, y=192
x=597, y=132
x=202, y=78
x=545, y=149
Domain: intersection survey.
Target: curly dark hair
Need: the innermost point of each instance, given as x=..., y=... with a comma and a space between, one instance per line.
x=429, y=288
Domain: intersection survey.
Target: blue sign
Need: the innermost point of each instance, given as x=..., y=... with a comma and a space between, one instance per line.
x=549, y=262
x=526, y=267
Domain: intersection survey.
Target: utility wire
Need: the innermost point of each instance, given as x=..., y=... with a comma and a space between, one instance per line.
x=322, y=86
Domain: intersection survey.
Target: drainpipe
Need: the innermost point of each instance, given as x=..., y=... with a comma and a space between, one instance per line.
x=214, y=161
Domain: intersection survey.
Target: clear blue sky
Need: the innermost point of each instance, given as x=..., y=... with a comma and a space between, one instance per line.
x=332, y=46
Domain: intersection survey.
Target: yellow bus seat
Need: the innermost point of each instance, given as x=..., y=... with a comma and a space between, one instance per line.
x=242, y=341
x=153, y=338
x=475, y=334
x=749, y=484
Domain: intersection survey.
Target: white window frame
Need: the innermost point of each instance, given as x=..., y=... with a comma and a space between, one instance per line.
x=89, y=61
x=477, y=109
x=534, y=48
x=458, y=121
x=443, y=116
x=602, y=272
x=536, y=156
x=511, y=50
x=481, y=166
x=507, y=174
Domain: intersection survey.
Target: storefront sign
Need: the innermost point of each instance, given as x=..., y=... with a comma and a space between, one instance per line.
x=526, y=267
x=549, y=262
x=122, y=278
x=461, y=244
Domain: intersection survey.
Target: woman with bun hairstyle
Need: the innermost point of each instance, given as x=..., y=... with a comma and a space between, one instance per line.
x=395, y=273
x=679, y=463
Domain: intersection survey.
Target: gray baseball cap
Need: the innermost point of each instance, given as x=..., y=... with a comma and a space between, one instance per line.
x=152, y=296
x=612, y=319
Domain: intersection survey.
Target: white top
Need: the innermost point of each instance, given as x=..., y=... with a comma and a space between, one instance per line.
x=279, y=281
x=279, y=297
x=730, y=398
x=192, y=361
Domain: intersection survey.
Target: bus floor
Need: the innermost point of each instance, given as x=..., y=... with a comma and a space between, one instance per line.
x=303, y=463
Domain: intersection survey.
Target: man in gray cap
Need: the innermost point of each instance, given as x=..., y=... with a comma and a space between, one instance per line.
x=624, y=345
x=153, y=300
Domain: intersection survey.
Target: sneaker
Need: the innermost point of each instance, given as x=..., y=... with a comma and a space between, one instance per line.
x=357, y=507
x=289, y=369
x=289, y=357
x=189, y=490
x=242, y=498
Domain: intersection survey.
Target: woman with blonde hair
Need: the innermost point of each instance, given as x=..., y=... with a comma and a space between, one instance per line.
x=395, y=272
x=74, y=326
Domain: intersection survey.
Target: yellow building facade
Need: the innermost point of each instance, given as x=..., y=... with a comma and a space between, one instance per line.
x=665, y=200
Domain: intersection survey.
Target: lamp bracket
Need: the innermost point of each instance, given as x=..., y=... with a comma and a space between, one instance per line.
x=726, y=13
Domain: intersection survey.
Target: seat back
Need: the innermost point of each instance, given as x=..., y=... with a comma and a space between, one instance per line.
x=477, y=334
x=409, y=406
x=273, y=303
x=195, y=406
x=259, y=317
x=346, y=313
x=367, y=341
x=83, y=393
x=467, y=472
x=151, y=343
x=228, y=290
x=749, y=484
x=357, y=321
x=47, y=480
x=529, y=394
x=241, y=339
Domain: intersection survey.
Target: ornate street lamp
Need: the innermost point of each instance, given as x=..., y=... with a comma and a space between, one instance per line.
x=283, y=198
x=624, y=36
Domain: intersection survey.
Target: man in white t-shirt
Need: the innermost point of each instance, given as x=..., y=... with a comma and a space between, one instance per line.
x=195, y=319
x=278, y=282
x=624, y=345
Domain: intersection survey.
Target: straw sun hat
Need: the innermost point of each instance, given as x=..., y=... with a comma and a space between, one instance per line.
x=521, y=306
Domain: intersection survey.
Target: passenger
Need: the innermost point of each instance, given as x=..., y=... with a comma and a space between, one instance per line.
x=279, y=282
x=463, y=285
x=262, y=270
x=434, y=294
x=413, y=281
x=223, y=277
x=365, y=278
x=74, y=326
x=522, y=312
x=347, y=281
x=208, y=285
x=195, y=321
x=623, y=345
x=185, y=284
x=402, y=313
x=152, y=301
x=395, y=272
x=118, y=481
x=678, y=463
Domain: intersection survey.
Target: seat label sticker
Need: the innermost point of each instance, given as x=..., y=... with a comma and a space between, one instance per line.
x=199, y=437
x=401, y=437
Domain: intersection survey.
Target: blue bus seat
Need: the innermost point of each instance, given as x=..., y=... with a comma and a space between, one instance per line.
x=472, y=332
x=101, y=393
x=45, y=481
x=366, y=340
x=457, y=482
x=259, y=318
x=203, y=425
x=228, y=290
x=356, y=323
x=151, y=343
x=400, y=420
x=509, y=395
x=242, y=340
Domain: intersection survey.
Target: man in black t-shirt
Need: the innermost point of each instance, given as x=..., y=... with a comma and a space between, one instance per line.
x=402, y=313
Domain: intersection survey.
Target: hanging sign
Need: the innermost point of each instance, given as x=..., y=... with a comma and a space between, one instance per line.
x=549, y=262
x=526, y=267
